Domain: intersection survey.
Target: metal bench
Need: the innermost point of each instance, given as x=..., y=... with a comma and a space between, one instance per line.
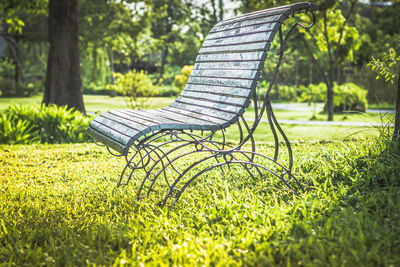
x=187, y=139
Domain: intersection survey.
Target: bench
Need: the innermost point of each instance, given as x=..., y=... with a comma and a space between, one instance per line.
x=187, y=139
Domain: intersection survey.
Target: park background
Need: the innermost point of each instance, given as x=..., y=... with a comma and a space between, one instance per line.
x=59, y=204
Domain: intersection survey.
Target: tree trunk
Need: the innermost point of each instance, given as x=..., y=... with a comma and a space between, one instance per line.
x=214, y=12
x=63, y=78
x=163, y=62
x=329, y=101
x=221, y=10
x=396, y=132
x=111, y=59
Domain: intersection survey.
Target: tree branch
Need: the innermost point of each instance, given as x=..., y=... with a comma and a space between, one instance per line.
x=313, y=59
x=347, y=17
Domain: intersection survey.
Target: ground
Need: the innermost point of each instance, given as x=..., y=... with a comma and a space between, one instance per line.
x=59, y=205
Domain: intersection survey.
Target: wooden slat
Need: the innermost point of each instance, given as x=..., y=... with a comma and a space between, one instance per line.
x=234, y=74
x=221, y=81
x=244, y=56
x=243, y=39
x=109, y=129
x=137, y=120
x=286, y=10
x=219, y=90
x=202, y=116
x=178, y=117
x=251, y=22
x=243, y=30
x=258, y=46
x=257, y=14
x=216, y=98
x=249, y=65
x=163, y=123
x=209, y=105
x=101, y=138
x=124, y=121
x=204, y=111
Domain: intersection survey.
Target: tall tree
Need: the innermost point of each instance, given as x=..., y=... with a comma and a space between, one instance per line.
x=389, y=68
x=15, y=17
x=168, y=18
x=63, y=79
x=330, y=43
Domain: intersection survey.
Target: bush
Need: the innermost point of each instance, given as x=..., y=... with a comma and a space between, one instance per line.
x=15, y=131
x=348, y=97
x=31, y=85
x=181, y=79
x=135, y=87
x=312, y=93
x=94, y=89
x=166, y=91
x=284, y=93
x=52, y=124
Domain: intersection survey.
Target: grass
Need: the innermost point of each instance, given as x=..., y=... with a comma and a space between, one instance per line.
x=93, y=103
x=100, y=103
x=59, y=206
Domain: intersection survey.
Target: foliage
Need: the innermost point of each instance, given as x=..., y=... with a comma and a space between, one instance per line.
x=350, y=97
x=386, y=67
x=181, y=79
x=10, y=11
x=330, y=44
x=94, y=89
x=313, y=93
x=281, y=92
x=59, y=206
x=52, y=124
x=166, y=91
x=135, y=86
x=15, y=131
x=389, y=68
x=7, y=85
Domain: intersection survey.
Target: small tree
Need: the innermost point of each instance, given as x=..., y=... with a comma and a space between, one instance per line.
x=388, y=67
x=330, y=43
x=135, y=87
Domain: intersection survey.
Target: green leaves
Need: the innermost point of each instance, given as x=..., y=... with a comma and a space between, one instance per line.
x=31, y=124
x=387, y=66
x=135, y=86
x=59, y=206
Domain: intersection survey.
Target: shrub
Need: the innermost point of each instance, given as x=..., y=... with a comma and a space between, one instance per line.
x=15, y=131
x=312, y=93
x=284, y=93
x=52, y=124
x=166, y=91
x=181, y=79
x=349, y=97
x=135, y=87
x=95, y=89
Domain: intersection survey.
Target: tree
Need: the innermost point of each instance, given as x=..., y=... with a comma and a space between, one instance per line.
x=15, y=17
x=389, y=68
x=63, y=80
x=167, y=20
x=329, y=44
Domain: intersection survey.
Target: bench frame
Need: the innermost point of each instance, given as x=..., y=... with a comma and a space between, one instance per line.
x=152, y=154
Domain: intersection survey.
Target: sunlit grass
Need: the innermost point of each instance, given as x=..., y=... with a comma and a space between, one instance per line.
x=59, y=205
x=101, y=103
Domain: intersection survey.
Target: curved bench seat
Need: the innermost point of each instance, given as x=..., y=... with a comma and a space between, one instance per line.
x=219, y=88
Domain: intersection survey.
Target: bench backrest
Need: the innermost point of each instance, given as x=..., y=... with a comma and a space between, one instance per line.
x=229, y=63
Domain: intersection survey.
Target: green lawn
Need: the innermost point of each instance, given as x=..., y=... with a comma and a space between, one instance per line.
x=99, y=103
x=95, y=104
x=59, y=205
